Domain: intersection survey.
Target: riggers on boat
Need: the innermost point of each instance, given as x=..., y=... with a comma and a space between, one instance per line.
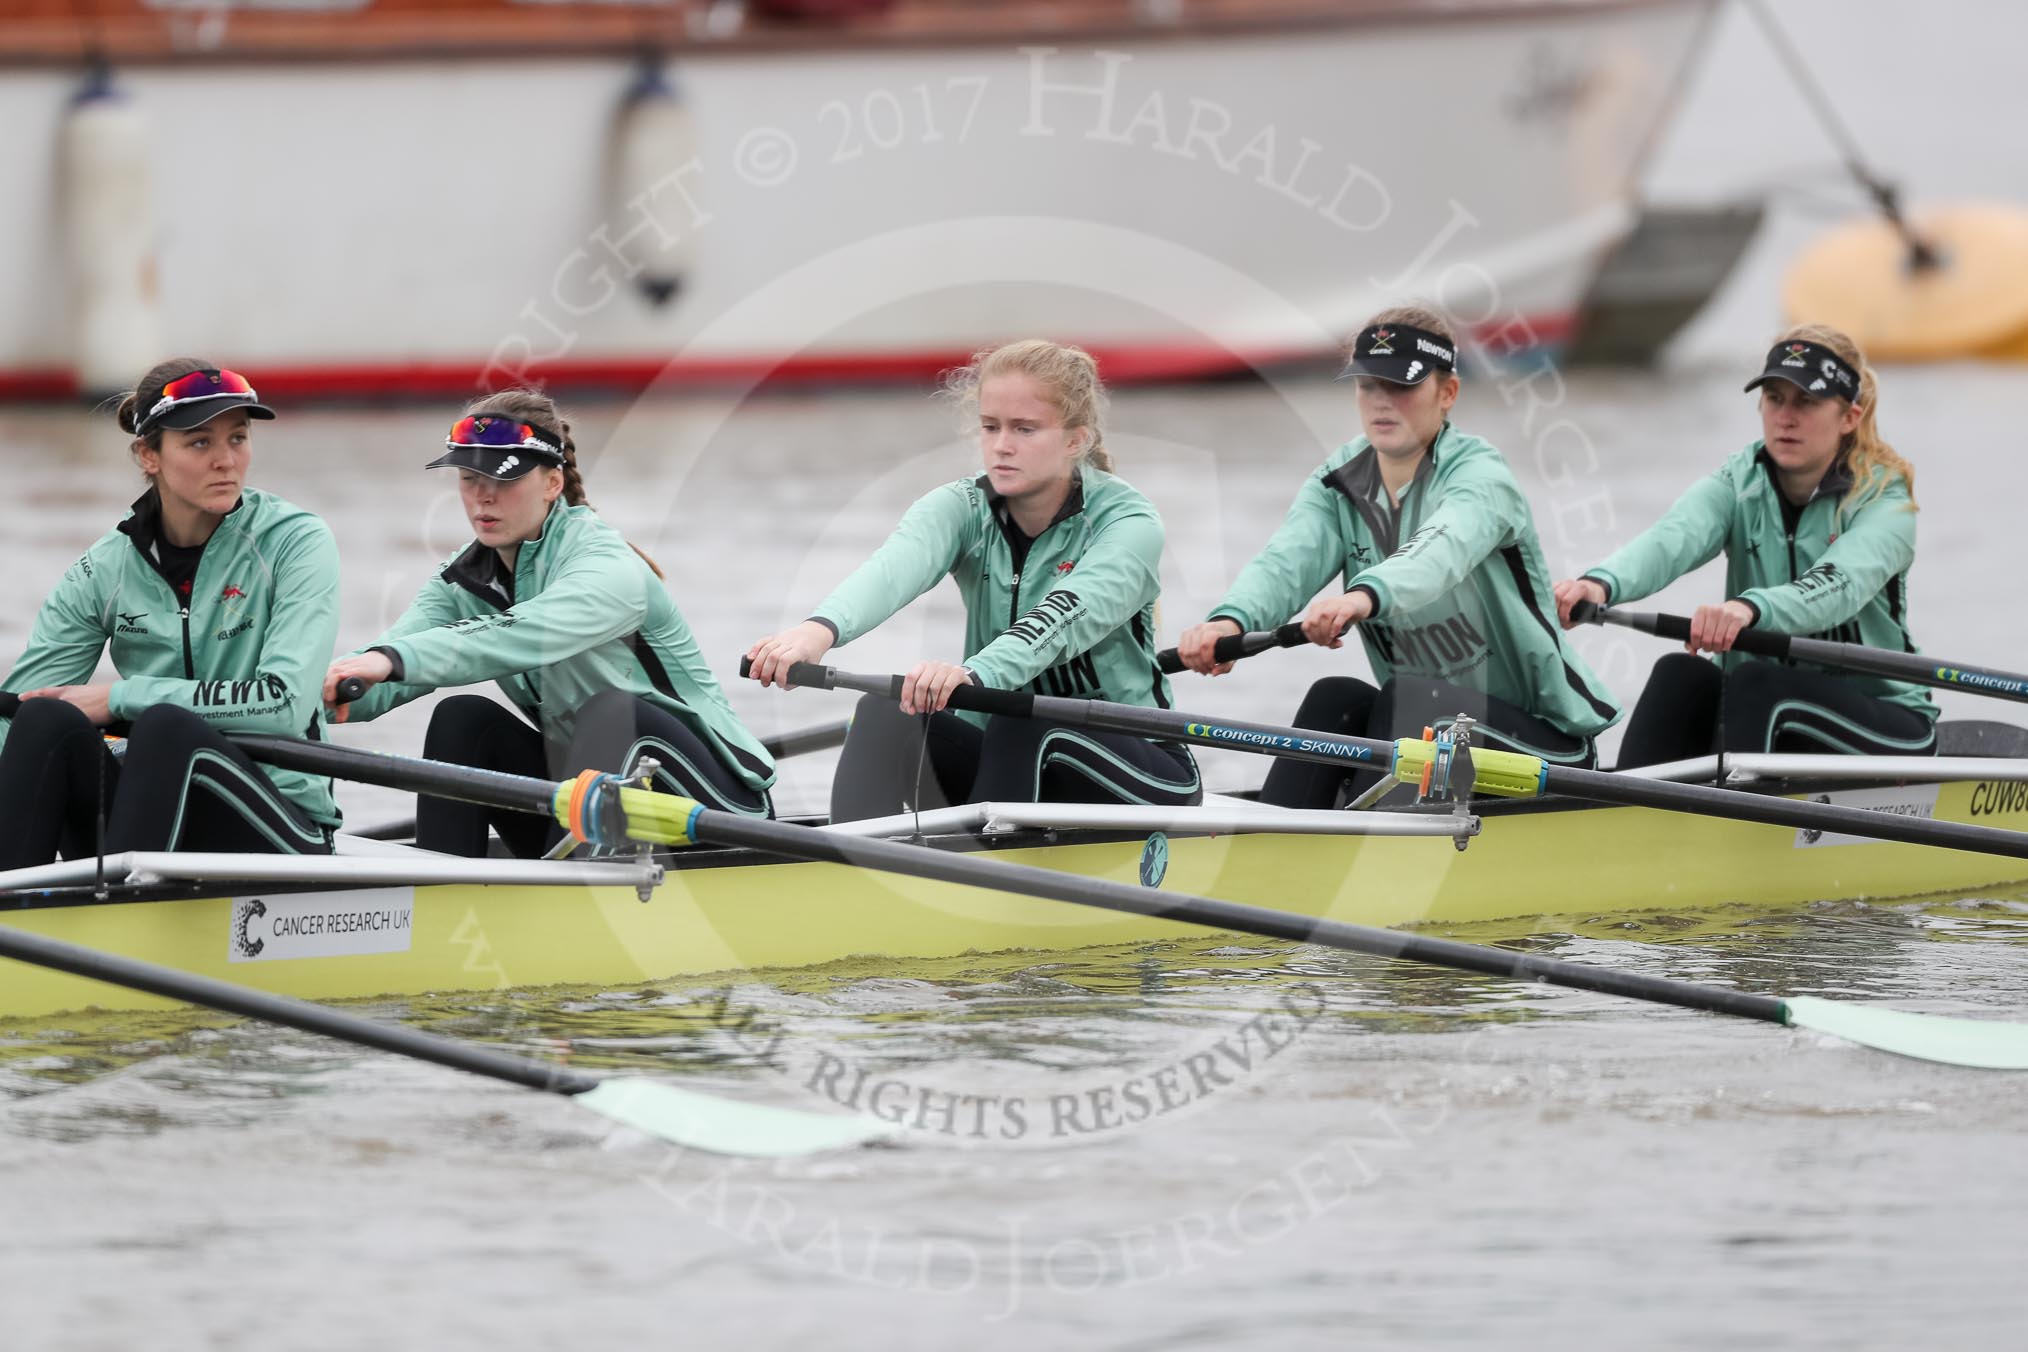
x=382, y=919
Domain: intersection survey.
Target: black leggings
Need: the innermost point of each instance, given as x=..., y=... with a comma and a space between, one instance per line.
x=1692, y=707
x=1403, y=708
x=181, y=785
x=613, y=730
x=1013, y=760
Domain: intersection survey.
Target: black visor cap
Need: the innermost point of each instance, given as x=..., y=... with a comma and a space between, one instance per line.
x=1812, y=368
x=504, y=465
x=1400, y=353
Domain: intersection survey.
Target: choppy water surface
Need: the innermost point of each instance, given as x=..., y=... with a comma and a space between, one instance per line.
x=1390, y=1156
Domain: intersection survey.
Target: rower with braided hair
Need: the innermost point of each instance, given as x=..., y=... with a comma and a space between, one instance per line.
x=574, y=626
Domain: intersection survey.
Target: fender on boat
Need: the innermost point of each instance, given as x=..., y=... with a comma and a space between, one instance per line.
x=1974, y=303
x=651, y=186
x=107, y=210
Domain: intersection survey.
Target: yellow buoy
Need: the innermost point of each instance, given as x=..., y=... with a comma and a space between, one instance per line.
x=1974, y=304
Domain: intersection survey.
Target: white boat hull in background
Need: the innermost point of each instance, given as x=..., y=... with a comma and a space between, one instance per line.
x=1182, y=205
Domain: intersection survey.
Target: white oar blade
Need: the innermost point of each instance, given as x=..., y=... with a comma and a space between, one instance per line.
x=1980, y=1043
x=725, y=1126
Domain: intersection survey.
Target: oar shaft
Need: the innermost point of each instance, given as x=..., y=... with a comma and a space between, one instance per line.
x=1911, y=667
x=1233, y=647
x=803, y=740
x=942, y=866
x=1603, y=787
x=489, y=788
x=203, y=990
x=639, y=814
x=1505, y=773
x=486, y=786
x=1294, y=743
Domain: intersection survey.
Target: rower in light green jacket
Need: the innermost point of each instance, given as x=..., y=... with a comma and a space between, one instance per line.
x=1059, y=564
x=218, y=605
x=573, y=624
x=1817, y=523
x=1444, y=577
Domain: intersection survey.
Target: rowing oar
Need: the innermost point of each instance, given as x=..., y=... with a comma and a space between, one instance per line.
x=1232, y=647
x=1505, y=774
x=681, y=1116
x=781, y=746
x=604, y=810
x=821, y=737
x=1911, y=667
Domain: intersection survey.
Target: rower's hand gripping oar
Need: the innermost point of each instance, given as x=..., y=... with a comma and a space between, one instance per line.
x=622, y=813
x=1233, y=647
x=1911, y=667
x=1509, y=774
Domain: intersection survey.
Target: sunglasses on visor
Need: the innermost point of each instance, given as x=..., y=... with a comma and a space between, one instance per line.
x=207, y=384
x=502, y=434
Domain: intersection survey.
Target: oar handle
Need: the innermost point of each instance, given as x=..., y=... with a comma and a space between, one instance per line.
x=1759, y=642
x=1914, y=668
x=349, y=689
x=10, y=703
x=978, y=698
x=1233, y=647
x=1500, y=772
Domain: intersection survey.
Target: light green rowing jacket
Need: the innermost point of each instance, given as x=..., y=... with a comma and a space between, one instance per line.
x=1830, y=569
x=1069, y=613
x=246, y=651
x=1460, y=590
x=581, y=613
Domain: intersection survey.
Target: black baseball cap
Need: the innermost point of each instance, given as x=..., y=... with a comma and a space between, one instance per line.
x=1400, y=353
x=498, y=447
x=1811, y=368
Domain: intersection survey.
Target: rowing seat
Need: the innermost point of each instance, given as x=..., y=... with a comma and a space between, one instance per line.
x=1980, y=737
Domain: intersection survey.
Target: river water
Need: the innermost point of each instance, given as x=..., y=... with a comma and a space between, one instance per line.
x=1420, y=1159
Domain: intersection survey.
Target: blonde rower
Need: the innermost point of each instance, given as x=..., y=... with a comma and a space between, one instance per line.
x=1817, y=523
x=1059, y=565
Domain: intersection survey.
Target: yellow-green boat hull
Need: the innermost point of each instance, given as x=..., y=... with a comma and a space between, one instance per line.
x=761, y=915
